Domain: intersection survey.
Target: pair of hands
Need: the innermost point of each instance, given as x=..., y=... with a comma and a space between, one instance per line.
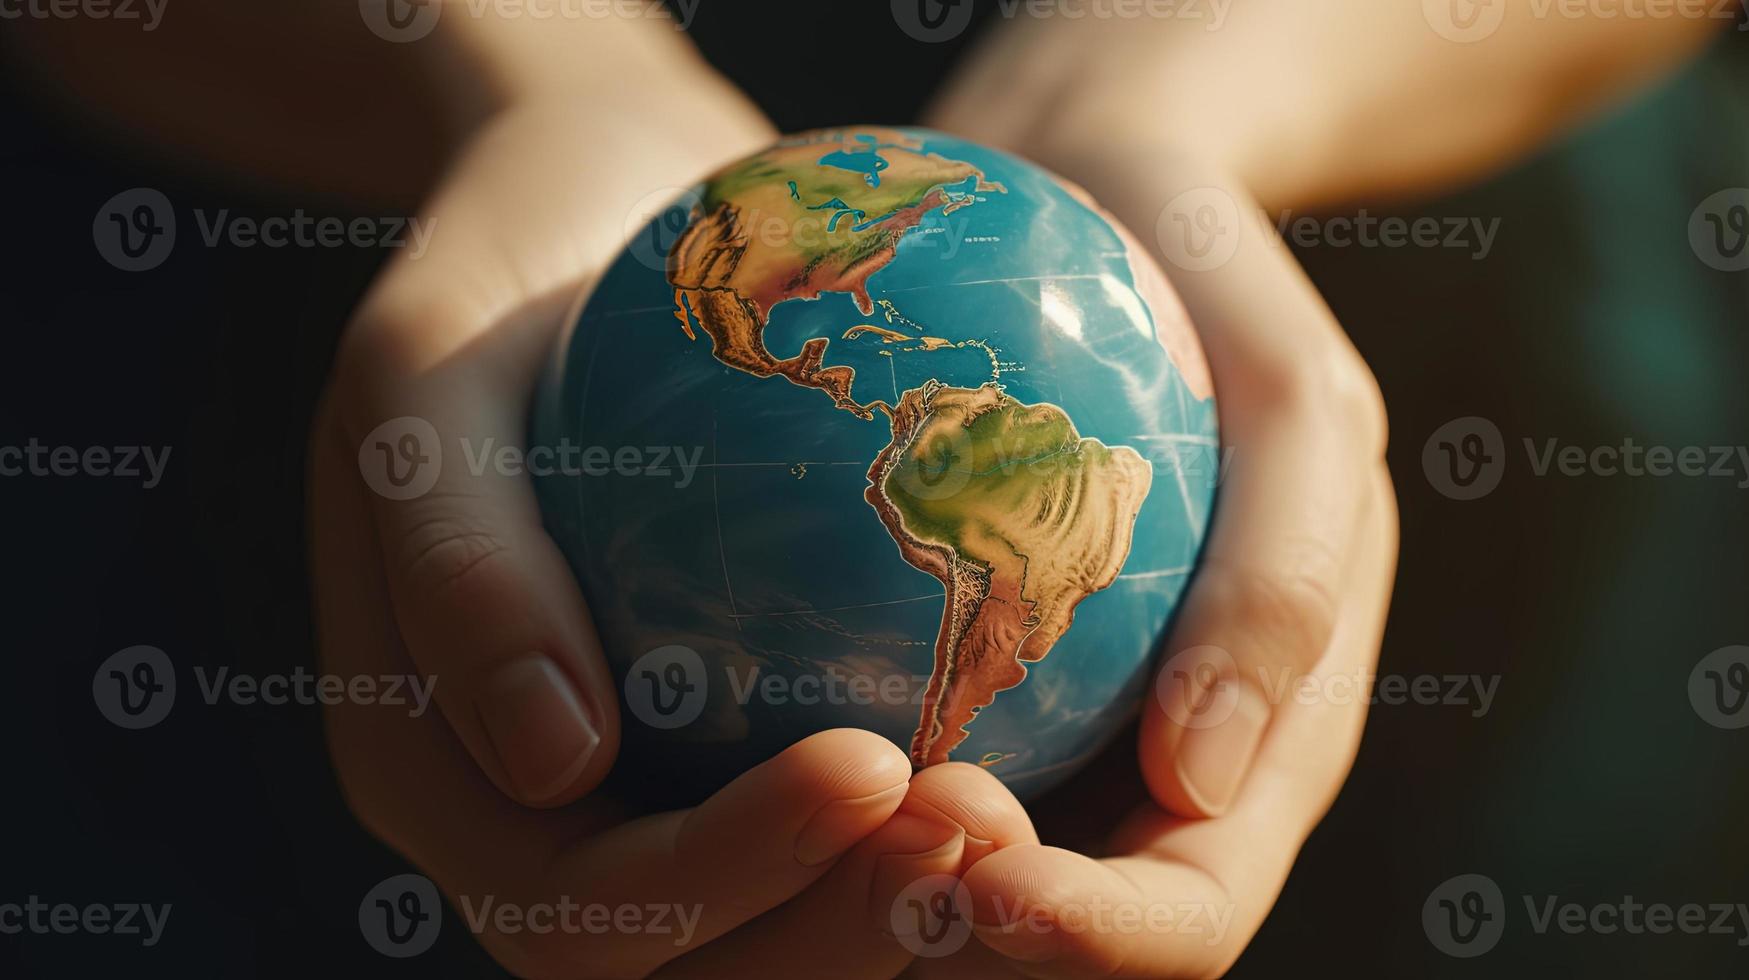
x=797, y=865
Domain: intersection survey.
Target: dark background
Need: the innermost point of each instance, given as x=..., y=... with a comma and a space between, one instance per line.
x=1591, y=598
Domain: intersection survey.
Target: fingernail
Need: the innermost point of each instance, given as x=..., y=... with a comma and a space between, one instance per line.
x=1213, y=761
x=538, y=726
x=839, y=825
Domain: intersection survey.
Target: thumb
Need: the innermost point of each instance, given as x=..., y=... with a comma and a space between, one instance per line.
x=484, y=601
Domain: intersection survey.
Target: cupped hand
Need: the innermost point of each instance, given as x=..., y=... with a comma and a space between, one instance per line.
x=1254, y=721
x=428, y=564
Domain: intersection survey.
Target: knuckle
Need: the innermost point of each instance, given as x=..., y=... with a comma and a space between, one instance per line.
x=1332, y=384
x=1287, y=615
x=1359, y=403
x=444, y=553
x=380, y=353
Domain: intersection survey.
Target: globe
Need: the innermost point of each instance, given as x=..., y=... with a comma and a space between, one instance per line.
x=878, y=428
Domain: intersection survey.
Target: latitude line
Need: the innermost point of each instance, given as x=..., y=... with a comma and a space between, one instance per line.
x=864, y=605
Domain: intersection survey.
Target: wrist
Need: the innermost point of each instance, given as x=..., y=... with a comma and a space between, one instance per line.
x=485, y=66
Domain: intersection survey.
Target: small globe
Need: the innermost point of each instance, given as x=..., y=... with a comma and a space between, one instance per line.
x=883, y=429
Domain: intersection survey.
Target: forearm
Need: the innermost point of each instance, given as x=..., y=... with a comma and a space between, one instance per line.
x=1318, y=102
x=307, y=94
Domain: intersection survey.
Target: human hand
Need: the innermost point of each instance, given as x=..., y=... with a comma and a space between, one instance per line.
x=496, y=798
x=1294, y=580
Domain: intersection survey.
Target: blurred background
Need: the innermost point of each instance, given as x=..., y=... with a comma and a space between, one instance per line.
x=1584, y=603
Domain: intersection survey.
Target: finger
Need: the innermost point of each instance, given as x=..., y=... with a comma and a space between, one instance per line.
x=855, y=921
x=483, y=598
x=829, y=930
x=971, y=798
x=445, y=351
x=1260, y=613
x=758, y=842
x=1186, y=895
x=1303, y=429
x=1006, y=80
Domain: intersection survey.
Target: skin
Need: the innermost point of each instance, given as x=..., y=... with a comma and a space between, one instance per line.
x=528, y=149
